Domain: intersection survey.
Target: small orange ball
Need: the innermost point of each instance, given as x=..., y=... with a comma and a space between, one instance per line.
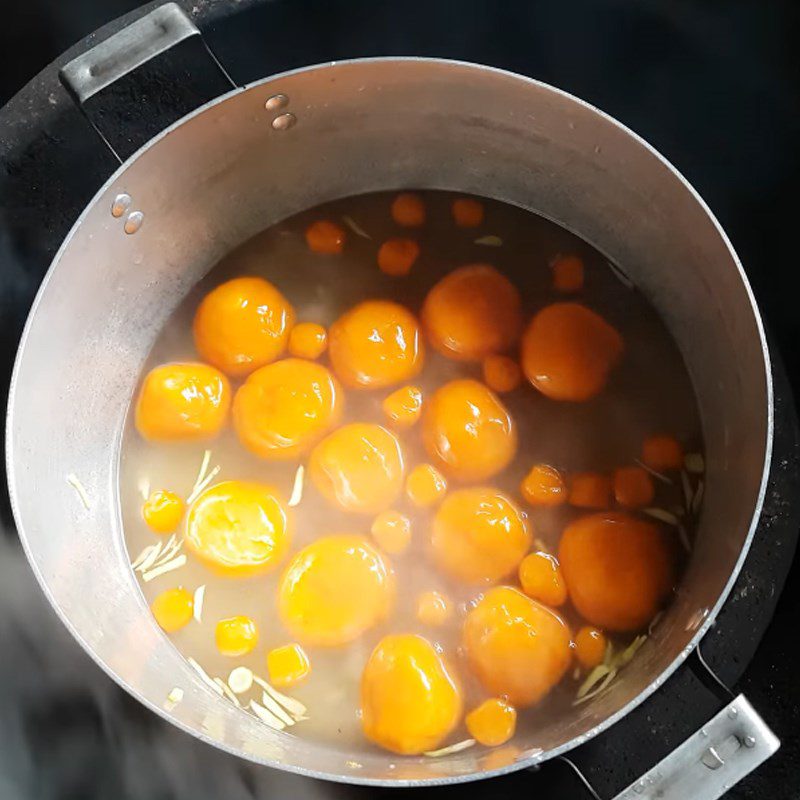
x=238, y=528
x=619, y=570
x=633, y=487
x=541, y=578
x=334, y=590
x=569, y=351
x=467, y=431
x=241, y=325
x=358, y=468
x=397, y=256
x=410, y=700
x=288, y=665
x=467, y=212
x=590, y=490
x=662, y=452
x=425, y=486
x=403, y=407
x=173, y=609
x=567, y=273
x=473, y=312
x=590, y=647
x=408, y=210
x=236, y=636
x=283, y=409
x=518, y=648
x=163, y=511
x=182, y=402
x=325, y=237
x=308, y=340
x=392, y=531
x=479, y=535
x=501, y=373
x=492, y=723
x=544, y=486
x=433, y=608
x=376, y=344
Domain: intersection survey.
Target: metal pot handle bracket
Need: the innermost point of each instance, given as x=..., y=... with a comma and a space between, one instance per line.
x=710, y=761
x=134, y=45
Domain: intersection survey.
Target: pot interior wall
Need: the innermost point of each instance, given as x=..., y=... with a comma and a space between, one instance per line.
x=225, y=174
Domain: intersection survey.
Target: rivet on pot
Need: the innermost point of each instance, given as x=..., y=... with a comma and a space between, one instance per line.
x=277, y=101
x=134, y=222
x=284, y=121
x=120, y=205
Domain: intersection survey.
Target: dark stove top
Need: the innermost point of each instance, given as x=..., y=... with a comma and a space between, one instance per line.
x=713, y=86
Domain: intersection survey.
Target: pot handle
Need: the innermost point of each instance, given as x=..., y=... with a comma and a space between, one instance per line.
x=136, y=44
x=712, y=760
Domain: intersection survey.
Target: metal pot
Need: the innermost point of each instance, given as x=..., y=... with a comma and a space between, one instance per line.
x=266, y=151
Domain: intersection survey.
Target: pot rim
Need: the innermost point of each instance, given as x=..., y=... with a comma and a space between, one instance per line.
x=355, y=779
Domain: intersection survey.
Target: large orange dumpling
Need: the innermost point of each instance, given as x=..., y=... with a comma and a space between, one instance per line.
x=518, y=648
x=182, y=402
x=410, y=699
x=334, y=590
x=238, y=528
x=478, y=535
x=242, y=325
x=568, y=352
x=283, y=409
x=468, y=431
x=375, y=344
x=473, y=312
x=619, y=569
x=359, y=467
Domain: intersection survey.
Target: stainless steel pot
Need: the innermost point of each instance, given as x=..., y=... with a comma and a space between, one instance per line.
x=246, y=161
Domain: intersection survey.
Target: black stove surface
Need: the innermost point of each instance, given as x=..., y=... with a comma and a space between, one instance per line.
x=713, y=86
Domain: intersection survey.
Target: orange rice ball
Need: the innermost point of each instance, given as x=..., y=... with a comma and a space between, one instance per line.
x=325, y=237
x=501, y=373
x=410, y=699
x=467, y=212
x=540, y=577
x=182, y=402
x=163, y=511
x=518, y=648
x=492, y=723
x=619, y=569
x=590, y=647
x=173, y=609
x=283, y=409
x=334, y=590
x=238, y=528
x=544, y=486
x=408, y=210
x=397, y=256
x=569, y=351
x=308, y=340
x=473, y=312
x=359, y=468
x=467, y=431
x=567, y=273
x=403, y=406
x=633, y=487
x=479, y=535
x=662, y=452
x=376, y=344
x=242, y=325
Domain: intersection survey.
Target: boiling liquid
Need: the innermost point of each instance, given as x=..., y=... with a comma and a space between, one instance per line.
x=649, y=391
